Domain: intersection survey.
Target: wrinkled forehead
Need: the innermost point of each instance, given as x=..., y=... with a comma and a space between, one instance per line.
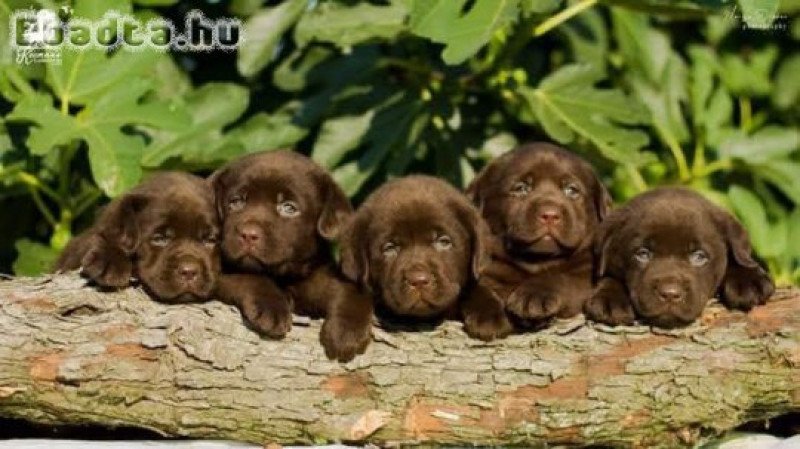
x=416, y=220
x=547, y=166
x=180, y=212
x=675, y=227
x=271, y=181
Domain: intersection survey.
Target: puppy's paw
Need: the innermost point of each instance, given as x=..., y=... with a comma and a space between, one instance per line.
x=609, y=306
x=532, y=301
x=744, y=288
x=271, y=317
x=488, y=325
x=342, y=341
x=107, y=266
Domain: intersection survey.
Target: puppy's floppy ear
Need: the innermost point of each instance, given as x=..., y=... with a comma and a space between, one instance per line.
x=217, y=183
x=602, y=199
x=480, y=236
x=336, y=208
x=118, y=224
x=354, y=247
x=607, y=240
x=745, y=283
x=476, y=190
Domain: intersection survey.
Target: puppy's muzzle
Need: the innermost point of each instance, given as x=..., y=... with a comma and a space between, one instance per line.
x=250, y=235
x=190, y=273
x=670, y=290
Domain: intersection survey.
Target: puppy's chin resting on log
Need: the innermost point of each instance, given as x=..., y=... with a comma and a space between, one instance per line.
x=72, y=355
x=664, y=253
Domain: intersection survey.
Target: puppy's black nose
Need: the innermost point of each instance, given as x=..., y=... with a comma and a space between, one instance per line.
x=249, y=233
x=417, y=278
x=189, y=270
x=670, y=292
x=549, y=215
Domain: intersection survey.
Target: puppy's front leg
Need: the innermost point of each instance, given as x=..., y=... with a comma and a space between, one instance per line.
x=347, y=329
x=537, y=298
x=484, y=315
x=610, y=303
x=265, y=307
x=745, y=287
x=105, y=264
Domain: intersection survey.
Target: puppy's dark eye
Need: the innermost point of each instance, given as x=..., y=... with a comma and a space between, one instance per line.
x=643, y=255
x=236, y=202
x=390, y=249
x=520, y=188
x=698, y=258
x=572, y=191
x=288, y=209
x=160, y=239
x=443, y=243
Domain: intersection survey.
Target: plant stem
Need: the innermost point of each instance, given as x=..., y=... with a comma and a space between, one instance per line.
x=37, y=199
x=562, y=17
x=33, y=182
x=638, y=181
x=745, y=114
x=677, y=154
x=86, y=202
x=721, y=164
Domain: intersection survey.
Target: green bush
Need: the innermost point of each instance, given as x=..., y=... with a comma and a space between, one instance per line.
x=653, y=92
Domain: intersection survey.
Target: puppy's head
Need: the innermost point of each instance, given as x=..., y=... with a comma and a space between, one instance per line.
x=542, y=200
x=672, y=249
x=168, y=226
x=276, y=208
x=417, y=242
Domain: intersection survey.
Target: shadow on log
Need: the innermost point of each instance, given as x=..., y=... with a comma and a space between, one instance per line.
x=71, y=355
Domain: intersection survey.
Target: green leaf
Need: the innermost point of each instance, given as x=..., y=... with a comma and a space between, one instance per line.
x=567, y=105
x=212, y=107
x=463, y=34
x=588, y=38
x=784, y=174
x=793, y=240
x=771, y=142
x=646, y=50
x=269, y=131
x=33, y=258
x=759, y=14
x=348, y=25
x=750, y=75
x=262, y=32
x=539, y=6
x=339, y=136
x=156, y=2
x=786, y=91
x=751, y=212
x=113, y=154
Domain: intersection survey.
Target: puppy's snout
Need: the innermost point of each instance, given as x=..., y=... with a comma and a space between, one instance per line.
x=670, y=291
x=189, y=270
x=250, y=234
x=417, y=278
x=549, y=215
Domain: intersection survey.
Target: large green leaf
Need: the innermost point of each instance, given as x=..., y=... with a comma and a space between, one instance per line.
x=751, y=212
x=462, y=33
x=784, y=174
x=759, y=13
x=786, y=92
x=212, y=106
x=113, y=154
x=539, y=6
x=588, y=38
x=340, y=135
x=269, y=131
x=262, y=32
x=346, y=25
x=33, y=258
x=749, y=75
x=567, y=105
x=771, y=142
x=646, y=50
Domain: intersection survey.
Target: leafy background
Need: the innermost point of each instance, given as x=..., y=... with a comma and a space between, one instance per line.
x=702, y=93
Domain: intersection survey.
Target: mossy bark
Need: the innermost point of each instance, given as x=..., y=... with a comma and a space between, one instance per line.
x=72, y=355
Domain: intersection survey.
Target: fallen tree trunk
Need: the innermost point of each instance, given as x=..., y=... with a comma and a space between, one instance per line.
x=72, y=355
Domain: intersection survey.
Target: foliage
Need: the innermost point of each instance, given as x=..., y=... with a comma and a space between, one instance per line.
x=653, y=92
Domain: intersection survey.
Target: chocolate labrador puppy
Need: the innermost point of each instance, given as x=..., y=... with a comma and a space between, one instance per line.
x=163, y=232
x=664, y=254
x=542, y=204
x=279, y=210
x=418, y=246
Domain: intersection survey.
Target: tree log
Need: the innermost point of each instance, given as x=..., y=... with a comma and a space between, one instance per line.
x=72, y=355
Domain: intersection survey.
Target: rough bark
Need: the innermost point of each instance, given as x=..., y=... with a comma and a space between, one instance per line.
x=72, y=355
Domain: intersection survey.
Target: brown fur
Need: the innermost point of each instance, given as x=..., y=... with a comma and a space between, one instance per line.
x=418, y=246
x=649, y=266
x=163, y=232
x=279, y=210
x=542, y=204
